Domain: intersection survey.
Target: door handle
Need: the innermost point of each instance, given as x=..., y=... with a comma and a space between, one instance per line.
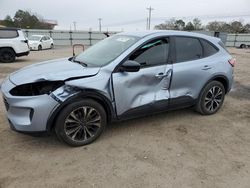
x=161, y=74
x=206, y=67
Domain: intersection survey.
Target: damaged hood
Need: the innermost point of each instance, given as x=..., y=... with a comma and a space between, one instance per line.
x=60, y=69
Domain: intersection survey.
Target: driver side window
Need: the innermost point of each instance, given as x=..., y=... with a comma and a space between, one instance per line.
x=153, y=53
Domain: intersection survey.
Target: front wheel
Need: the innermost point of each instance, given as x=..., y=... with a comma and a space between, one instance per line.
x=211, y=98
x=39, y=48
x=81, y=122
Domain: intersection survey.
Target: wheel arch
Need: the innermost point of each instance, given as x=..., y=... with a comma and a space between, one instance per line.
x=86, y=94
x=223, y=79
x=220, y=78
x=8, y=47
x=243, y=45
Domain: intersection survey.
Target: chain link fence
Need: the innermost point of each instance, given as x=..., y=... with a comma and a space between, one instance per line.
x=88, y=38
x=66, y=38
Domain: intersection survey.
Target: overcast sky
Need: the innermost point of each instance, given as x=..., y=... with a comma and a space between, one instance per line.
x=127, y=14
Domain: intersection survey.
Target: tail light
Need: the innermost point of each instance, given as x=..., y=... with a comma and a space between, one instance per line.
x=232, y=62
x=25, y=41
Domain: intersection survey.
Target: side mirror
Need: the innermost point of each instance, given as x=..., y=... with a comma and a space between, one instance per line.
x=130, y=66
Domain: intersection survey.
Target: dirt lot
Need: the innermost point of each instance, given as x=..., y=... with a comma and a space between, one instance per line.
x=173, y=149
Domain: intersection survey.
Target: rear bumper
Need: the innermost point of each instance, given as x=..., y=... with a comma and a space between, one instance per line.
x=23, y=54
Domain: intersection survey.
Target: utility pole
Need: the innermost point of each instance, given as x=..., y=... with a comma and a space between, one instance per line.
x=149, y=16
x=147, y=23
x=100, y=24
x=74, y=22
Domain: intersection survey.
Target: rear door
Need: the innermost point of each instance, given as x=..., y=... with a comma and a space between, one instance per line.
x=194, y=64
x=147, y=89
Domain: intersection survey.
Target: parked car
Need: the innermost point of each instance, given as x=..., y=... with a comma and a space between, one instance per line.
x=124, y=76
x=13, y=43
x=40, y=42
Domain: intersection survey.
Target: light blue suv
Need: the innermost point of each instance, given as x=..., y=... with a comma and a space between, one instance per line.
x=124, y=76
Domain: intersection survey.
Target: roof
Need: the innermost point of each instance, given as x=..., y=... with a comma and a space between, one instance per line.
x=167, y=32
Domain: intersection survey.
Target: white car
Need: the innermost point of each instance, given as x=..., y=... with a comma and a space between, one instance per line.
x=13, y=43
x=40, y=42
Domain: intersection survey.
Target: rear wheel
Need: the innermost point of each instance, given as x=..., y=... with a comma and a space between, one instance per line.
x=81, y=122
x=211, y=98
x=7, y=55
x=243, y=46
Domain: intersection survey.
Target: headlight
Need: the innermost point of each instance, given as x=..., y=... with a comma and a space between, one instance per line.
x=37, y=88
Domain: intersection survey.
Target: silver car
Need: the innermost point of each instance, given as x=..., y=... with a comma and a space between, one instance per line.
x=124, y=76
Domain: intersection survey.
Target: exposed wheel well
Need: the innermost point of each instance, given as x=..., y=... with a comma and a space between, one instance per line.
x=223, y=81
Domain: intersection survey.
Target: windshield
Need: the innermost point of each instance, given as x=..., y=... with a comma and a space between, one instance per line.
x=36, y=38
x=106, y=50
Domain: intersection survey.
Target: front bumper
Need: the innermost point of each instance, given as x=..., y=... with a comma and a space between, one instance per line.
x=33, y=48
x=27, y=114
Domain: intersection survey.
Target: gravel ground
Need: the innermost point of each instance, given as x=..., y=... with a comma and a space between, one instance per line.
x=173, y=149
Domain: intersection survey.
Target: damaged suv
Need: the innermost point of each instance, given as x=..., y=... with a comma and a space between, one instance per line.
x=124, y=76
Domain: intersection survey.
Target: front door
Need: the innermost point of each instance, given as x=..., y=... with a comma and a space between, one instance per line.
x=149, y=87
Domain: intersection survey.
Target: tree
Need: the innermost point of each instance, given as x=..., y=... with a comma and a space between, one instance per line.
x=25, y=19
x=214, y=26
x=171, y=24
x=179, y=24
x=246, y=28
x=236, y=27
x=189, y=27
x=168, y=25
x=197, y=24
x=8, y=21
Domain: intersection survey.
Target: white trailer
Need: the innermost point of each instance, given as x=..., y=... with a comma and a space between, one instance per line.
x=238, y=40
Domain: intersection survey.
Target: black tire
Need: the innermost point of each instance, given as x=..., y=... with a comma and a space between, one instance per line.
x=81, y=122
x=243, y=46
x=211, y=98
x=51, y=46
x=40, y=48
x=7, y=55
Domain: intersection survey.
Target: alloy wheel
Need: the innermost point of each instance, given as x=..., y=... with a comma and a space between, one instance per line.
x=213, y=98
x=82, y=123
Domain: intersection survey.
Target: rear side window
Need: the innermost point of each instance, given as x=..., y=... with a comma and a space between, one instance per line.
x=153, y=53
x=208, y=49
x=223, y=46
x=187, y=49
x=8, y=34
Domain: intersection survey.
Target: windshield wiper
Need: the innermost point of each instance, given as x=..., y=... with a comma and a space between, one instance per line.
x=80, y=62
